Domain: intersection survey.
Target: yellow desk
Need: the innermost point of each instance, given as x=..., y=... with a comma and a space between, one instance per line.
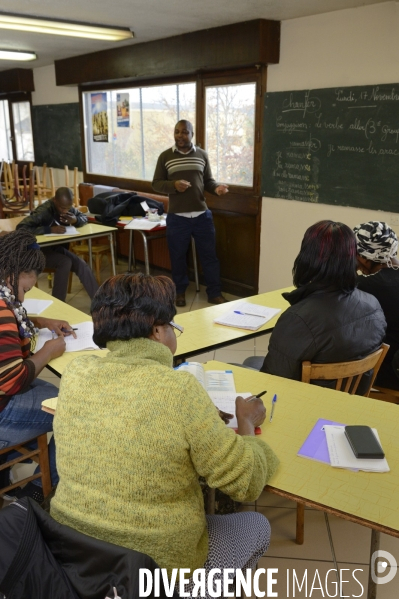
x=88, y=232
x=201, y=334
x=366, y=498
x=59, y=309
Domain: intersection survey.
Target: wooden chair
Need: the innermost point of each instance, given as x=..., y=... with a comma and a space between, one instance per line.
x=39, y=455
x=385, y=394
x=348, y=376
x=98, y=252
x=75, y=186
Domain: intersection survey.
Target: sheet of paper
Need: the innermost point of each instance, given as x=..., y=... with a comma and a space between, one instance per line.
x=253, y=316
x=144, y=206
x=84, y=338
x=227, y=403
x=142, y=224
x=50, y=403
x=69, y=231
x=35, y=307
x=342, y=456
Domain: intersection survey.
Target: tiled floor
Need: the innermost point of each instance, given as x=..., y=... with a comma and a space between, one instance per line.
x=326, y=538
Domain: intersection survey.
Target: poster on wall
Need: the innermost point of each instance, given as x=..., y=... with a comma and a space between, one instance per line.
x=99, y=116
x=122, y=110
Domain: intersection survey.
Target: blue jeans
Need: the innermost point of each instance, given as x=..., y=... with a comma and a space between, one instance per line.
x=23, y=419
x=179, y=231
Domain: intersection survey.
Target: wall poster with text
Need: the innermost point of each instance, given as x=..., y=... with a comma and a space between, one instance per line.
x=99, y=116
x=122, y=110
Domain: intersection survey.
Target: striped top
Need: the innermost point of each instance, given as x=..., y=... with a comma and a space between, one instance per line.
x=16, y=371
x=193, y=167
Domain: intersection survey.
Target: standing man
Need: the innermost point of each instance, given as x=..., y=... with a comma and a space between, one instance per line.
x=52, y=217
x=183, y=172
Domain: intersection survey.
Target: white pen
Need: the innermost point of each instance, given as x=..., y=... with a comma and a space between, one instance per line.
x=248, y=314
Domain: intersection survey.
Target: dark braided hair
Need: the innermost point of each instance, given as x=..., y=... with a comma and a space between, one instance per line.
x=19, y=253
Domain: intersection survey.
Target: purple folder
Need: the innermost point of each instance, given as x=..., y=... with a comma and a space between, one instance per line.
x=315, y=446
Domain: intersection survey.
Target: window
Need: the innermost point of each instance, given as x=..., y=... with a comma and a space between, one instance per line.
x=23, y=131
x=127, y=129
x=16, y=137
x=230, y=132
x=5, y=132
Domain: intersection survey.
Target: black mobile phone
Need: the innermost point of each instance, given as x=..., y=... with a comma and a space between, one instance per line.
x=364, y=443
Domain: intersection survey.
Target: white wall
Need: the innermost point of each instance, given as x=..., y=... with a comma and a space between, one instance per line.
x=348, y=47
x=46, y=91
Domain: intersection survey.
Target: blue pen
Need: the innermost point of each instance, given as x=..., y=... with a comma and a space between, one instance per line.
x=274, y=401
x=247, y=314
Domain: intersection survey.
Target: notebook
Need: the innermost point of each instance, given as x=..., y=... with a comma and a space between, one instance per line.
x=315, y=446
x=342, y=456
x=252, y=316
x=83, y=341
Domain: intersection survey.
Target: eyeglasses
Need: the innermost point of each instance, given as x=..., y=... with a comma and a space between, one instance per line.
x=177, y=328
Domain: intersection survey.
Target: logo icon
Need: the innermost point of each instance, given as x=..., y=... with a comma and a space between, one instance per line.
x=383, y=562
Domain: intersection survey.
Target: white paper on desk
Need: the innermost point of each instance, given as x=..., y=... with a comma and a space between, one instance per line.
x=36, y=306
x=69, y=231
x=142, y=224
x=342, y=456
x=227, y=403
x=261, y=315
x=84, y=338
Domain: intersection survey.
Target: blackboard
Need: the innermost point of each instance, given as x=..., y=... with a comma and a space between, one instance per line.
x=333, y=146
x=57, y=135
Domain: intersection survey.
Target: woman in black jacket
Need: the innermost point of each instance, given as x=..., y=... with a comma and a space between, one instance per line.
x=329, y=319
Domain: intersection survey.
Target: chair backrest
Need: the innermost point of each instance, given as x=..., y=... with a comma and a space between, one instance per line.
x=10, y=224
x=347, y=374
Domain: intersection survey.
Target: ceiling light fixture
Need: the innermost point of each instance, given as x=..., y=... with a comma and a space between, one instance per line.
x=68, y=28
x=17, y=55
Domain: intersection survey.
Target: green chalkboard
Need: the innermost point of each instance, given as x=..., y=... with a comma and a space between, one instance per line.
x=333, y=146
x=57, y=135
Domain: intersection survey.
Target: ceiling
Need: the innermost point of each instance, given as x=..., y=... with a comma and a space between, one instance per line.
x=149, y=19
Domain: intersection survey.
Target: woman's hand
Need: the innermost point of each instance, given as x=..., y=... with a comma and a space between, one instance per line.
x=60, y=327
x=55, y=347
x=225, y=416
x=251, y=413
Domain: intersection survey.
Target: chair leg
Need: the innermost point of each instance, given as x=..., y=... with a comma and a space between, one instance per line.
x=210, y=507
x=44, y=464
x=70, y=281
x=300, y=523
x=98, y=270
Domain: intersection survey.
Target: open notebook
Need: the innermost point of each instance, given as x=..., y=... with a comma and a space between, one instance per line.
x=84, y=338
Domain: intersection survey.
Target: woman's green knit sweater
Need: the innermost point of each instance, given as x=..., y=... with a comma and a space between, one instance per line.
x=133, y=436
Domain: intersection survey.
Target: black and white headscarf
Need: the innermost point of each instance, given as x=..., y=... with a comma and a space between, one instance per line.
x=376, y=241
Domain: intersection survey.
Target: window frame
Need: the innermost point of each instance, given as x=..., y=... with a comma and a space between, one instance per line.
x=202, y=80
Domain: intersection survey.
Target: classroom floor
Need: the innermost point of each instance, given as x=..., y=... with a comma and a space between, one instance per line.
x=327, y=538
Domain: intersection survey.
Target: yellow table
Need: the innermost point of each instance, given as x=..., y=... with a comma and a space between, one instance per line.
x=88, y=232
x=369, y=499
x=59, y=309
x=201, y=334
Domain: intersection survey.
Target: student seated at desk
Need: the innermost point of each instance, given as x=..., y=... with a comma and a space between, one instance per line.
x=52, y=217
x=21, y=393
x=133, y=437
x=329, y=319
x=377, y=246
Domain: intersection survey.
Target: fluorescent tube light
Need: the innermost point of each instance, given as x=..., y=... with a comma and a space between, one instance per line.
x=17, y=55
x=68, y=28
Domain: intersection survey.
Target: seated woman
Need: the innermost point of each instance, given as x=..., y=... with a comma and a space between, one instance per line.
x=21, y=393
x=377, y=246
x=329, y=319
x=133, y=436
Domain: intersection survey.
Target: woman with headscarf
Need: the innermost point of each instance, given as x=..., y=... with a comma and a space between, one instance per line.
x=377, y=246
x=21, y=392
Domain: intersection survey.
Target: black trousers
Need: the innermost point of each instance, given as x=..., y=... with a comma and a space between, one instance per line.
x=64, y=261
